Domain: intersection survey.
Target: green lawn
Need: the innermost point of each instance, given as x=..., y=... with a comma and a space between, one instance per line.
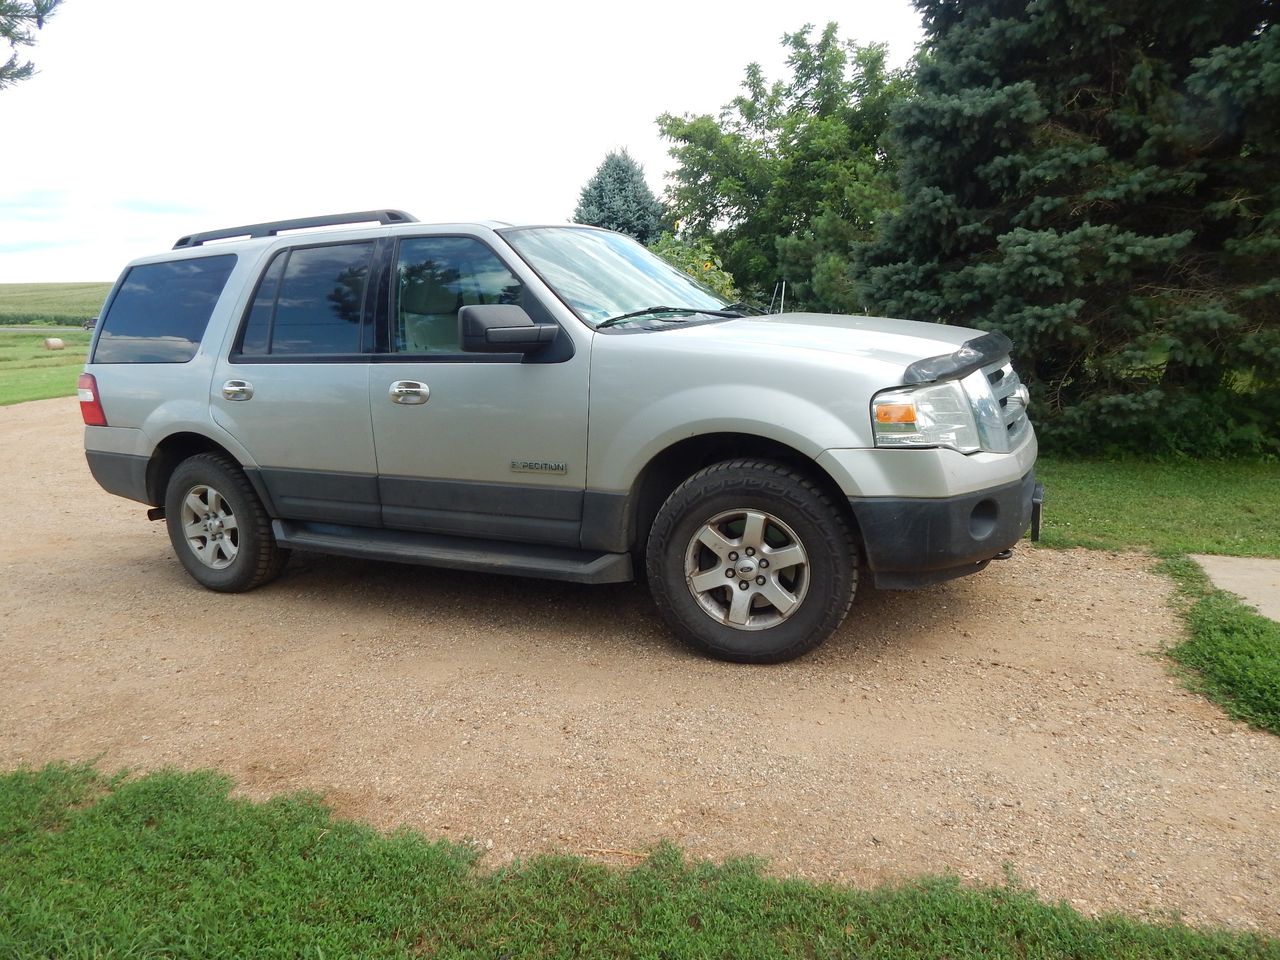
x=167, y=866
x=1167, y=508
x=51, y=303
x=1231, y=653
x=30, y=372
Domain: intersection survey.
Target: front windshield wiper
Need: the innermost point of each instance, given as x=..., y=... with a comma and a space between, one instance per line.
x=648, y=310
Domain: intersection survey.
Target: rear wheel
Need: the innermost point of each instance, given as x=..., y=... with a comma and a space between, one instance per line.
x=218, y=526
x=749, y=561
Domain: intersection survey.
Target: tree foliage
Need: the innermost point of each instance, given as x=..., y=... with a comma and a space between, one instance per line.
x=698, y=259
x=1100, y=180
x=618, y=198
x=19, y=19
x=792, y=172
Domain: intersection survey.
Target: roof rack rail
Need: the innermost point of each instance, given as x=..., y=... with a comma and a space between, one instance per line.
x=302, y=223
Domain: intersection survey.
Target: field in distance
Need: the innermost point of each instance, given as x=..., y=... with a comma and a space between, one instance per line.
x=30, y=371
x=51, y=304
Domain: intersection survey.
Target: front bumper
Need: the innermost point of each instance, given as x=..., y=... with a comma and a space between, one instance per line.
x=913, y=542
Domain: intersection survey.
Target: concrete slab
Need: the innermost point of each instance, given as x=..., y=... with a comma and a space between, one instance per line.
x=1256, y=579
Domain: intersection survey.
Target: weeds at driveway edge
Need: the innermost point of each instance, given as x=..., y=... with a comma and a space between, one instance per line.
x=1231, y=653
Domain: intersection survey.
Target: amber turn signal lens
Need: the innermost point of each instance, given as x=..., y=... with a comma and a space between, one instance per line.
x=895, y=413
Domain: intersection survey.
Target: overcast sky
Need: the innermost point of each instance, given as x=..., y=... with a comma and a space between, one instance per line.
x=150, y=119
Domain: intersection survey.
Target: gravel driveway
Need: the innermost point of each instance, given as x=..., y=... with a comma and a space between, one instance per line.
x=1018, y=717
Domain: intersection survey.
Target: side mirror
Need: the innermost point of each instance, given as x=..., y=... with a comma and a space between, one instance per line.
x=502, y=328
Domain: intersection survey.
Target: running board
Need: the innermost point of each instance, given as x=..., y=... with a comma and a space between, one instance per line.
x=456, y=553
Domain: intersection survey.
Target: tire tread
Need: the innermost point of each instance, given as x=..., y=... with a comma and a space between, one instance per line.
x=775, y=479
x=271, y=557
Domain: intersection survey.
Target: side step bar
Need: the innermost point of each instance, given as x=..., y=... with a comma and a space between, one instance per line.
x=456, y=553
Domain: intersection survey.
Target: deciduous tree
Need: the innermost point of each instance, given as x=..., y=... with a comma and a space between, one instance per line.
x=792, y=172
x=698, y=259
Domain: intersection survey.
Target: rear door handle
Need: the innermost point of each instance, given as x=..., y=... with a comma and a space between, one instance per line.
x=237, y=390
x=409, y=392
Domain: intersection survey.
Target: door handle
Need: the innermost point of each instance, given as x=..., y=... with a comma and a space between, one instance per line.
x=409, y=392
x=237, y=390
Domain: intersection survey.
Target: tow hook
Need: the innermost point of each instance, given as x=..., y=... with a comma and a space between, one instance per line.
x=155, y=513
x=1003, y=555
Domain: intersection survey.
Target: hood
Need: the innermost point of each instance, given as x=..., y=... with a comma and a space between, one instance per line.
x=880, y=341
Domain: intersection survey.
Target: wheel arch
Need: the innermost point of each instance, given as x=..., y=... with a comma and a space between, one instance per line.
x=177, y=447
x=671, y=466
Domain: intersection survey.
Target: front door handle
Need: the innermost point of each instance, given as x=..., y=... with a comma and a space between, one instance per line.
x=409, y=392
x=237, y=390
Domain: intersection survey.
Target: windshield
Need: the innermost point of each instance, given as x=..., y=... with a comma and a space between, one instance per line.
x=601, y=274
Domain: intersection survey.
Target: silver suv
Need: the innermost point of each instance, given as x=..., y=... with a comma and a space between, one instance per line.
x=549, y=401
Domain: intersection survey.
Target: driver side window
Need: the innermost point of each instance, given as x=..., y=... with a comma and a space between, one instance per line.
x=435, y=278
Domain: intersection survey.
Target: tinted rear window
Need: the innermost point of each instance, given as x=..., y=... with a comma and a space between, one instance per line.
x=161, y=309
x=310, y=303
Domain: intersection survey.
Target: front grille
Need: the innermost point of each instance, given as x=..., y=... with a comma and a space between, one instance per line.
x=1004, y=385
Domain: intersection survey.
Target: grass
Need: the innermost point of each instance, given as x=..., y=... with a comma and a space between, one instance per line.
x=30, y=372
x=51, y=303
x=1231, y=652
x=167, y=865
x=1167, y=508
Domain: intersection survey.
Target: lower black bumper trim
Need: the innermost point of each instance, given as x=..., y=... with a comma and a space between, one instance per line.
x=123, y=474
x=912, y=542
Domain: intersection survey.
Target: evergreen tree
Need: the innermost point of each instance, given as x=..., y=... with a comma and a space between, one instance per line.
x=17, y=20
x=1100, y=179
x=618, y=198
x=792, y=172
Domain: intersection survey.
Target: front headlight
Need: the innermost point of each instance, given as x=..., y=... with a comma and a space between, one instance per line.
x=962, y=414
x=935, y=415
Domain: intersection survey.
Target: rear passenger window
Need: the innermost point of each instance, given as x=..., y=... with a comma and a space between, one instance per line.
x=309, y=303
x=161, y=310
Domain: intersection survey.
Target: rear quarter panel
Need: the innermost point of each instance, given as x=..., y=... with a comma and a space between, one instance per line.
x=146, y=402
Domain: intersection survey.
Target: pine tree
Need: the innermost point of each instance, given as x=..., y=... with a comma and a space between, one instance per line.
x=17, y=20
x=618, y=198
x=1100, y=179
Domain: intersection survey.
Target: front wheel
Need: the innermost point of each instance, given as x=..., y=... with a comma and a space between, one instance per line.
x=750, y=561
x=218, y=526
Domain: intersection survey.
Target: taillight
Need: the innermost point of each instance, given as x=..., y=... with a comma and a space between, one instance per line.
x=90, y=405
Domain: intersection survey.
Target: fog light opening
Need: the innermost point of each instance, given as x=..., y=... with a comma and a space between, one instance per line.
x=982, y=522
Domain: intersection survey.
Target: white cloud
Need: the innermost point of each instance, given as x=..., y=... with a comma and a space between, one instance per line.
x=154, y=118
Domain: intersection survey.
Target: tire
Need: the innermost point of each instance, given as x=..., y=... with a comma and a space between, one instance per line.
x=218, y=526
x=745, y=516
